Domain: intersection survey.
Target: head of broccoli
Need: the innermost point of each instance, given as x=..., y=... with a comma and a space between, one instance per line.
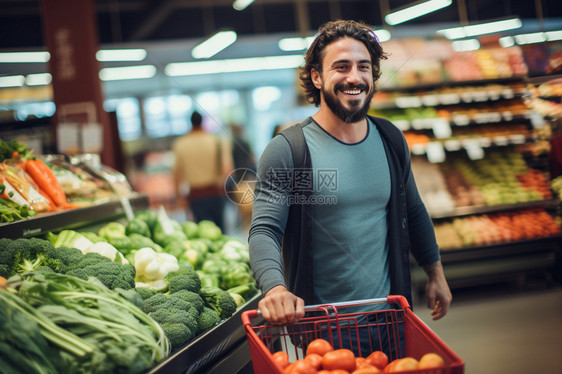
x=191, y=297
x=208, y=319
x=183, y=279
x=219, y=300
x=177, y=333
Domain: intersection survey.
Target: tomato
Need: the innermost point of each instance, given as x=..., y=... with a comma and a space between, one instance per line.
x=360, y=361
x=281, y=359
x=378, y=359
x=339, y=359
x=319, y=346
x=338, y=371
x=367, y=369
x=431, y=361
x=402, y=364
x=301, y=367
x=315, y=360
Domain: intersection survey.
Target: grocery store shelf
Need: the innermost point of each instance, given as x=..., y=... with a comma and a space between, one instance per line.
x=521, y=247
x=215, y=351
x=487, y=209
x=433, y=86
x=71, y=219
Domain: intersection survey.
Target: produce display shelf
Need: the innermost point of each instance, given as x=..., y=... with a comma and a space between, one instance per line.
x=487, y=209
x=216, y=350
x=520, y=247
x=69, y=219
x=433, y=86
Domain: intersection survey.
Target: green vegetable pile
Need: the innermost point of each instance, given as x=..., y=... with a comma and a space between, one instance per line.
x=186, y=310
x=34, y=254
x=57, y=323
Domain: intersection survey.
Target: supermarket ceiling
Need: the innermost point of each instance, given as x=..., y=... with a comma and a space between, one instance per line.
x=124, y=21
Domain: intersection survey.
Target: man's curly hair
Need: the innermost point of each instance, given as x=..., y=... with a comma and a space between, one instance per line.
x=329, y=33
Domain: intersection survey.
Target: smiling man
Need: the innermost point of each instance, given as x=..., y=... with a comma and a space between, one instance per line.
x=336, y=211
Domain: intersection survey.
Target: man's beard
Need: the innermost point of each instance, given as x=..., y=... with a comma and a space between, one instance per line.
x=355, y=113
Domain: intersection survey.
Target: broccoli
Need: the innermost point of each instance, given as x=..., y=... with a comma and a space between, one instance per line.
x=28, y=254
x=177, y=333
x=219, y=300
x=62, y=259
x=191, y=297
x=163, y=316
x=208, y=319
x=7, y=253
x=154, y=303
x=183, y=279
x=111, y=274
x=145, y=292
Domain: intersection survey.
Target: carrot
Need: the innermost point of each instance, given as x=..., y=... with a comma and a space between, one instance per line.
x=46, y=180
x=3, y=282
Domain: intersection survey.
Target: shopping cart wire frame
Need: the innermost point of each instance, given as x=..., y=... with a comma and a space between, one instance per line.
x=396, y=331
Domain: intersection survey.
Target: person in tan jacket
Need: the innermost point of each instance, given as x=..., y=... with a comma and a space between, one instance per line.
x=202, y=163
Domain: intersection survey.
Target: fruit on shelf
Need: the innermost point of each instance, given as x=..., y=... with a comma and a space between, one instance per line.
x=496, y=228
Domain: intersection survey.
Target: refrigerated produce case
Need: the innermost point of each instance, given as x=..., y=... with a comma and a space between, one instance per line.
x=221, y=349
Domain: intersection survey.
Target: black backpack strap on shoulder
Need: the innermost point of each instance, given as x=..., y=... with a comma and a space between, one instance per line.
x=394, y=136
x=299, y=149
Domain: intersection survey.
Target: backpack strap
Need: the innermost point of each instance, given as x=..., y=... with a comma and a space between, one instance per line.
x=299, y=149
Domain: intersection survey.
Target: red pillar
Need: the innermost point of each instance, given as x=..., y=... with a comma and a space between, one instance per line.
x=71, y=37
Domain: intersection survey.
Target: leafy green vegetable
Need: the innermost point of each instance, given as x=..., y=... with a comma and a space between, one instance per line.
x=139, y=241
x=22, y=346
x=108, y=332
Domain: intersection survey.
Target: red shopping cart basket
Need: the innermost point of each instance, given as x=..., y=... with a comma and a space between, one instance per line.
x=395, y=330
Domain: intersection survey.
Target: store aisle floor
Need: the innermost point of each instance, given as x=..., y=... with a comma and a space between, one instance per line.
x=504, y=328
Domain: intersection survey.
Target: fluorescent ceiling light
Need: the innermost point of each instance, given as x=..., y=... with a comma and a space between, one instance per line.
x=12, y=57
x=41, y=79
x=127, y=72
x=480, y=29
x=415, y=11
x=121, y=54
x=234, y=65
x=466, y=45
x=383, y=35
x=295, y=44
x=241, y=4
x=214, y=44
x=535, y=37
x=12, y=81
x=507, y=41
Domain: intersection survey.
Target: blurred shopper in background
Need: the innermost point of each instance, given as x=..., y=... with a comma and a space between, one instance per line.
x=341, y=224
x=202, y=162
x=242, y=180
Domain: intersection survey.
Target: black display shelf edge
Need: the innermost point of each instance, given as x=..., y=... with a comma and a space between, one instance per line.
x=486, y=209
x=208, y=349
x=69, y=219
x=544, y=244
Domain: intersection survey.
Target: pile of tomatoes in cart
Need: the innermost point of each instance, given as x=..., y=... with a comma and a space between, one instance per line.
x=322, y=358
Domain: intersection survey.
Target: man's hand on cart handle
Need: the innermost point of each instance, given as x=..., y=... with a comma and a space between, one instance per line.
x=437, y=290
x=281, y=306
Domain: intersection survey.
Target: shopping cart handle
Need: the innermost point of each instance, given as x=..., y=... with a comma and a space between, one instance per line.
x=391, y=299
